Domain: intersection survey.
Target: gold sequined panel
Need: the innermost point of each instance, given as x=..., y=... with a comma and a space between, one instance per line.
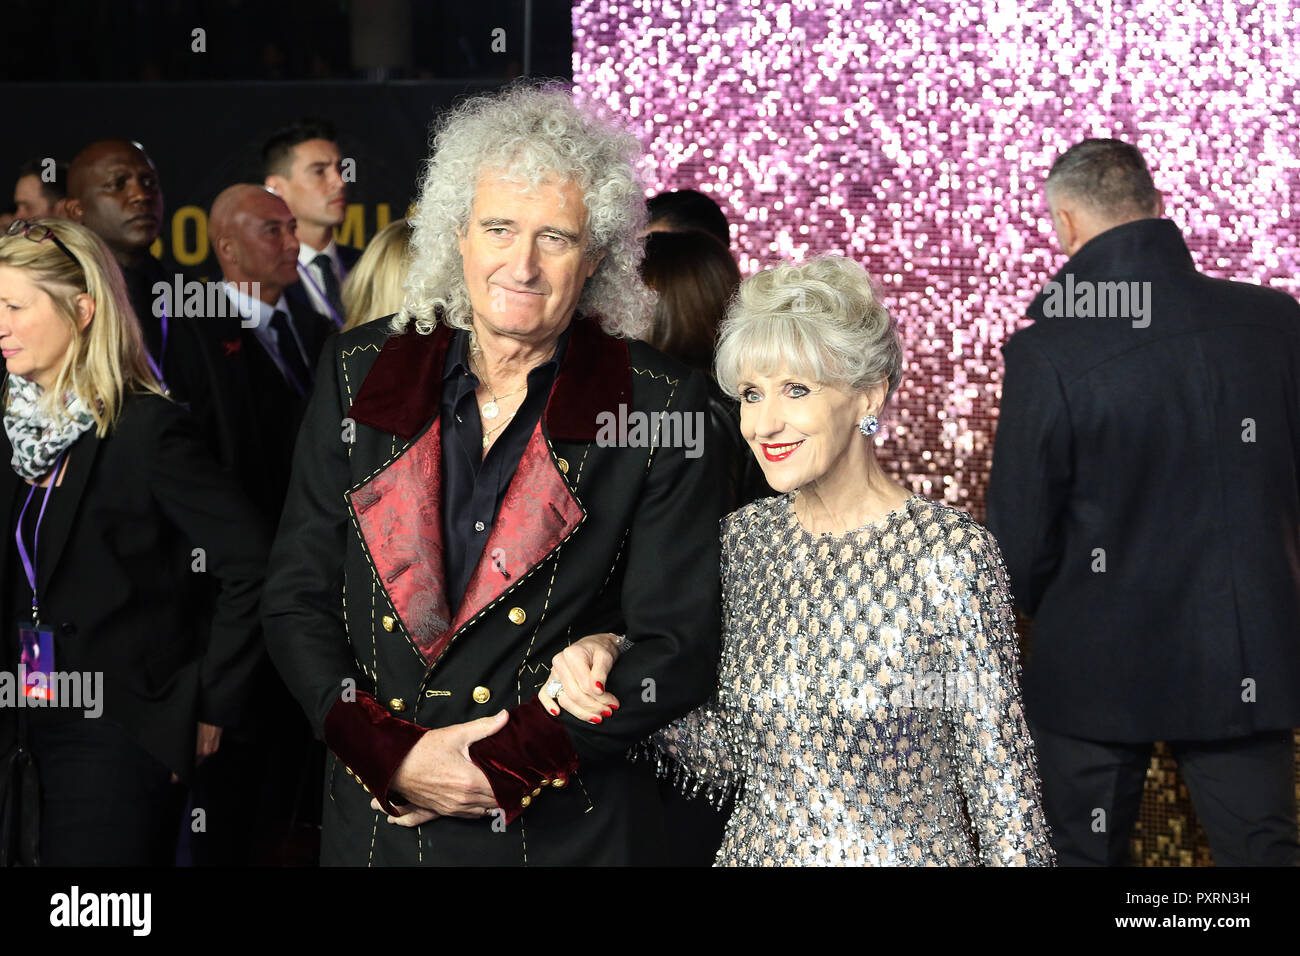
x=869, y=708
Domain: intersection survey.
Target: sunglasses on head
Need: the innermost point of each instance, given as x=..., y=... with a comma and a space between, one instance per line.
x=38, y=233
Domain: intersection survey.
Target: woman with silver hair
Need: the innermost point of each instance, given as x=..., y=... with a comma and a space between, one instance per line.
x=868, y=707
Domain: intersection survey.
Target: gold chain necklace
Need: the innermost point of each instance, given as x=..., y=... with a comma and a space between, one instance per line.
x=491, y=409
x=487, y=435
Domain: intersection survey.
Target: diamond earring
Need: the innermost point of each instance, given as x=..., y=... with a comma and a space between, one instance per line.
x=869, y=425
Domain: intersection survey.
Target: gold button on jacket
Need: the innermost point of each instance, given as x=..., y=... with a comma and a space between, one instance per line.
x=397, y=704
x=482, y=695
x=525, y=801
x=563, y=465
x=388, y=621
x=517, y=615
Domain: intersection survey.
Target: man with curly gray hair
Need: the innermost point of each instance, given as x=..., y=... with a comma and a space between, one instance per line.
x=456, y=482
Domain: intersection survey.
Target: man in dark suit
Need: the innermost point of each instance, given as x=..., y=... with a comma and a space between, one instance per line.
x=1146, y=496
x=302, y=165
x=261, y=344
x=264, y=347
x=454, y=521
x=114, y=190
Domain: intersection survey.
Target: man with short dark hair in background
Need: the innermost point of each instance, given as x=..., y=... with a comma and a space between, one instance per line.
x=302, y=165
x=1146, y=497
x=40, y=189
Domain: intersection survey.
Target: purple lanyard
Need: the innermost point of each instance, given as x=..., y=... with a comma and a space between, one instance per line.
x=29, y=561
x=157, y=367
x=306, y=274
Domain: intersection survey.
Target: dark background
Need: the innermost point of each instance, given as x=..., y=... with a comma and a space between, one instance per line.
x=74, y=71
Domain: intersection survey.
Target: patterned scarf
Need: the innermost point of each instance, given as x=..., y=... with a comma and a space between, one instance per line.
x=37, y=438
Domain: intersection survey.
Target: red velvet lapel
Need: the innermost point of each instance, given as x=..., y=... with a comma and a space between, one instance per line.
x=595, y=376
x=399, y=512
x=399, y=508
x=403, y=389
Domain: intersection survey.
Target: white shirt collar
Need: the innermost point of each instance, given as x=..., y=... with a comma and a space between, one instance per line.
x=306, y=254
x=251, y=308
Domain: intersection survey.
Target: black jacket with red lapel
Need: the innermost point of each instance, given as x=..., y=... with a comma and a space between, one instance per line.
x=592, y=536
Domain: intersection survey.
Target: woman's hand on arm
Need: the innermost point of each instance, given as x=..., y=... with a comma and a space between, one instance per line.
x=582, y=670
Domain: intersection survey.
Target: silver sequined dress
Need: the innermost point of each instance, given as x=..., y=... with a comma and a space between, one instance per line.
x=868, y=709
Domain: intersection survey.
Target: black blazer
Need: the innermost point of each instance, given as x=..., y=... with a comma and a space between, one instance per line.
x=116, y=578
x=590, y=538
x=250, y=414
x=1145, y=493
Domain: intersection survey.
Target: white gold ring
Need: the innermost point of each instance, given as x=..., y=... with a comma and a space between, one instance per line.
x=553, y=689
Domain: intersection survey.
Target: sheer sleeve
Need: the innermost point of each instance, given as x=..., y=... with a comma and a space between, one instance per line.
x=697, y=752
x=993, y=753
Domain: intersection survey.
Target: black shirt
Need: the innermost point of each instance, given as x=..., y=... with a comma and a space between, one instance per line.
x=473, y=486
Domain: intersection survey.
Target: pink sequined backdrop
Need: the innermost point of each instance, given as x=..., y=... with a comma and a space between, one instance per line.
x=915, y=136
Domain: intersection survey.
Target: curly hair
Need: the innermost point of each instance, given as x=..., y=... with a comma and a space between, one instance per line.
x=823, y=319
x=536, y=134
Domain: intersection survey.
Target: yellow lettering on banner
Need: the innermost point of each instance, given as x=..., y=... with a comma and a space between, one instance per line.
x=184, y=253
x=155, y=248
x=352, y=232
x=381, y=216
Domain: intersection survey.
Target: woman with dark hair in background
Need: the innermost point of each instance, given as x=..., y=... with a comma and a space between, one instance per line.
x=114, y=511
x=695, y=277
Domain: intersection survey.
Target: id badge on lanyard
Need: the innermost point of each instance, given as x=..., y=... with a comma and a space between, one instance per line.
x=36, y=642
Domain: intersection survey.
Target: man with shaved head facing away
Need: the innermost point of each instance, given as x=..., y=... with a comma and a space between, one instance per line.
x=1146, y=496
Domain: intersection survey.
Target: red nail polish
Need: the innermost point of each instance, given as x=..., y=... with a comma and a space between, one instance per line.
x=555, y=713
x=600, y=687
x=607, y=713
x=615, y=706
x=595, y=720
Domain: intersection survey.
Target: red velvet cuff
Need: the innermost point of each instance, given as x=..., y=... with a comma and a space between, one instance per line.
x=530, y=753
x=371, y=742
